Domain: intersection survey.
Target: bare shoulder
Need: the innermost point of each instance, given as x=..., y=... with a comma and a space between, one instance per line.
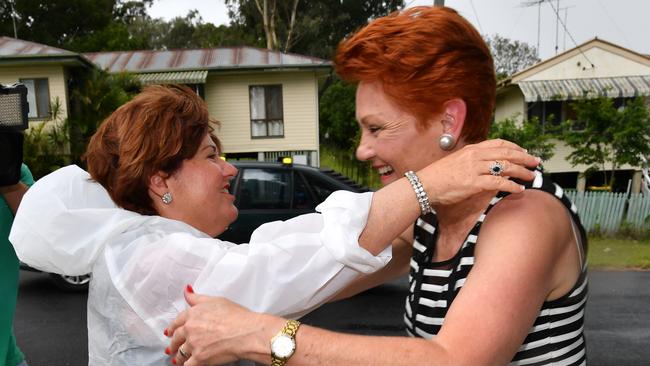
x=533, y=219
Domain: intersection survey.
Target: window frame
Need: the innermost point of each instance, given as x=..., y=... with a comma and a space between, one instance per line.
x=40, y=115
x=266, y=120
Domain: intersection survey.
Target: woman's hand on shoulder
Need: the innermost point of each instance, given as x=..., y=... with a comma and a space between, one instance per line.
x=467, y=172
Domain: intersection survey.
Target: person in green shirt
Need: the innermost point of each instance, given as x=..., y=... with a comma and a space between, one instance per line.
x=15, y=178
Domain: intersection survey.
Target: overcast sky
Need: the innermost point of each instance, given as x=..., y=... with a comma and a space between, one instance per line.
x=624, y=22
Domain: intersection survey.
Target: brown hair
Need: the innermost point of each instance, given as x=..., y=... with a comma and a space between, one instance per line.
x=425, y=56
x=156, y=131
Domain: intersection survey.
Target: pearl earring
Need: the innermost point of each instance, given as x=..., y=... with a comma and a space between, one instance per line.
x=447, y=142
x=167, y=198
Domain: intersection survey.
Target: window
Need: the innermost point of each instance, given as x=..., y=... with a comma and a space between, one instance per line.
x=38, y=97
x=549, y=114
x=301, y=197
x=266, y=111
x=322, y=189
x=264, y=189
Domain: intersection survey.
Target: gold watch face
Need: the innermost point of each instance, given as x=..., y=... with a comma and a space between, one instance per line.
x=283, y=346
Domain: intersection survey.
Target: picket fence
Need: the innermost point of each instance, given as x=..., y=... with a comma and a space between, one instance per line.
x=605, y=212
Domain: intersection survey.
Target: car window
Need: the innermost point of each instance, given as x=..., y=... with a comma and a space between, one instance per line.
x=322, y=188
x=301, y=197
x=264, y=189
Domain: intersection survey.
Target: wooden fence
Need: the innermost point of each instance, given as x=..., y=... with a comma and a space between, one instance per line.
x=605, y=212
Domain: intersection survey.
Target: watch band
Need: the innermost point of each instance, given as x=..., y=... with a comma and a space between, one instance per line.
x=290, y=329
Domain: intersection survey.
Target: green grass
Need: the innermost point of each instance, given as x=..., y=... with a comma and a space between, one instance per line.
x=617, y=253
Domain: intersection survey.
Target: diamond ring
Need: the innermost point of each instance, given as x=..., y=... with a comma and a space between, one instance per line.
x=496, y=168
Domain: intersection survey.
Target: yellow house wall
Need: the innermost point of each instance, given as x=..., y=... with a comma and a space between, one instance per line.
x=55, y=76
x=607, y=64
x=559, y=164
x=510, y=104
x=228, y=102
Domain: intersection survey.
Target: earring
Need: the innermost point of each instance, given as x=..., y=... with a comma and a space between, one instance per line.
x=447, y=141
x=167, y=198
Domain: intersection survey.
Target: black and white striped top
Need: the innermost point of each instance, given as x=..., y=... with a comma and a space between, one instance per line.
x=556, y=337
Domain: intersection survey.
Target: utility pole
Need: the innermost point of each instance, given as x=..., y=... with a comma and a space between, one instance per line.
x=439, y=3
x=529, y=3
x=566, y=8
x=557, y=25
x=13, y=17
x=539, y=22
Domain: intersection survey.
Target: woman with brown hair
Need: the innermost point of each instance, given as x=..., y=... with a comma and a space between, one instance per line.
x=142, y=221
x=493, y=278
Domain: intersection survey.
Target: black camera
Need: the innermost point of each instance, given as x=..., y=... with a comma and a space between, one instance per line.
x=13, y=121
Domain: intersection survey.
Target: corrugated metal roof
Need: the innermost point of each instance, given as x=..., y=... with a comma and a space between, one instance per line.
x=571, y=89
x=200, y=59
x=12, y=47
x=174, y=77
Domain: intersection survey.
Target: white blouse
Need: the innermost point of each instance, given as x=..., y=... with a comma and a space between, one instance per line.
x=140, y=264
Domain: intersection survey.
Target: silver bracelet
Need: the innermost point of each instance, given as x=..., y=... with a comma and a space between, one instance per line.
x=420, y=194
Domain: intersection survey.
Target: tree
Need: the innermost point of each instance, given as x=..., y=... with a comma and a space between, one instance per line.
x=313, y=27
x=76, y=25
x=603, y=135
x=510, y=56
x=57, y=22
x=338, y=124
x=528, y=134
x=94, y=95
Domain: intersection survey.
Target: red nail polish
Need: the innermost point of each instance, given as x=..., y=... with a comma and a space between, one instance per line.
x=174, y=361
x=189, y=289
x=166, y=333
x=168, y=351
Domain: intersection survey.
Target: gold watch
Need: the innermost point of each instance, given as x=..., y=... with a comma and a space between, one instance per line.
x=283, y=345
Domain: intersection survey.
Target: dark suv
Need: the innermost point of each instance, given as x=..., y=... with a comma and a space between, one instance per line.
x=268, y=192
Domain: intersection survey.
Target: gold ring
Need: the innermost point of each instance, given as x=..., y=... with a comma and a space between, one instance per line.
x=182, y=352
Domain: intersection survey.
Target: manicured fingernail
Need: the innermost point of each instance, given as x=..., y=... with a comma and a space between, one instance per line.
x=539, y=160
x=166, y=333
x=174, y=361
x=168, y=351
x=189, y=289
x=522, y=188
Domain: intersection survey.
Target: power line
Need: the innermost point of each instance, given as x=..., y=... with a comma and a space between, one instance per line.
x=557, y=13
x=476, y=15
x=613, y=22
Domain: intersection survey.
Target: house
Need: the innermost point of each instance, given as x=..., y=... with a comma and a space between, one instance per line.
x=44, y=70
x=266, y=101
x=545, y=91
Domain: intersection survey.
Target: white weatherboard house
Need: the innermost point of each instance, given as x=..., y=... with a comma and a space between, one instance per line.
x=266, y=101
x=546, y=89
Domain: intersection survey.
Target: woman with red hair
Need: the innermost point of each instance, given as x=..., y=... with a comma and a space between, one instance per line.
x=493, y=279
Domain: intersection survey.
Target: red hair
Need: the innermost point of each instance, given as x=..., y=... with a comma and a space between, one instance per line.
x=423, y=57
x=156, y=131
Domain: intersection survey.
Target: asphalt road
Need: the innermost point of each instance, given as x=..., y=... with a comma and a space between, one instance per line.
x=51, y=326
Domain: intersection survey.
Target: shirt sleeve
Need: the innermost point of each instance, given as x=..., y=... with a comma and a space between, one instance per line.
x=26, y=175
x=289, y=267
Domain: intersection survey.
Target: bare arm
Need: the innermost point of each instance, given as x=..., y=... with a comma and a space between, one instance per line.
x=518, y=262
x=13, y=195
x=446, y=181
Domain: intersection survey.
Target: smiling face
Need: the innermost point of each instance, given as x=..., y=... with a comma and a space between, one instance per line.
x=200, y=191
x=390, y=138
